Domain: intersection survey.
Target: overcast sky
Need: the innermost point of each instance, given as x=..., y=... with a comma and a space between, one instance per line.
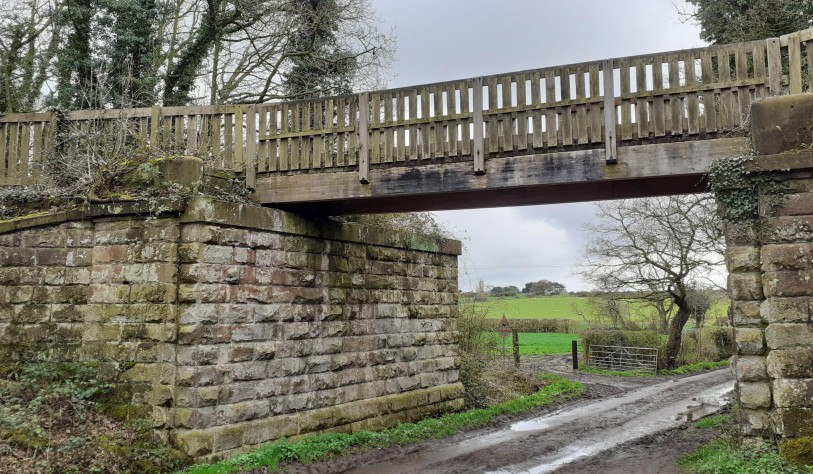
x=441, y=40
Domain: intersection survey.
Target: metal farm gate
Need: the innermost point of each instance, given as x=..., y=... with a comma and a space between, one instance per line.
x=643, y=359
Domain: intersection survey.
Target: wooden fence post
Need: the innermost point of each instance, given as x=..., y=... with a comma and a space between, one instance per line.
x=364, y=158
x=477, y=120
x=515, y=343
x=610, y=119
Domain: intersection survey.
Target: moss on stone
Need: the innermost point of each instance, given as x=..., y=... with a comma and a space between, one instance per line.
x=24, y=217
x=798, y=451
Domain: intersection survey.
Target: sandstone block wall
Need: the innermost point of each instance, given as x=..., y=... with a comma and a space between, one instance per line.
x=770, y=264
x=238, y=325
x=93, y=291
x=771, y=286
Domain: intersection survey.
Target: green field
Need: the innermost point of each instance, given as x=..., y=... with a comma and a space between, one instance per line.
x=563, y=307
x=541, y=307
x=532, y=343
x=546, y=343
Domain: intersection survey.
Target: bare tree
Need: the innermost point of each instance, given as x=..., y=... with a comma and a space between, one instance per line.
x=27, y=45
x=79, y=54
x=655, y=249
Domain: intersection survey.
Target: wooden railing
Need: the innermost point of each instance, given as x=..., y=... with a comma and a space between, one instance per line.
x=695, y=93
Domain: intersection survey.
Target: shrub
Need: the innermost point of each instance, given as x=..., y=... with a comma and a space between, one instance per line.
x=534, y=325
x=704, y=345
x=476, y=341
x=724, y=341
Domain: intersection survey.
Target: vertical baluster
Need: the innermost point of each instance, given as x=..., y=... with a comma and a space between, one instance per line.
x=642, y=104
x=229, y=162
x=596, y=118
x=414, y=140
x=451, y=104
x=375, y=128
x=465, y=131
x=692, y=102
x=521, y=142
x=566, y=117
x=536, y=101
x=387, y=142
x=551, y=128
x=675, y=101
x=491, y=139
x=709, y=122
x=364, y=167
x=610, y=118
x=400, y=112
x=727, y=120
x=582, y=124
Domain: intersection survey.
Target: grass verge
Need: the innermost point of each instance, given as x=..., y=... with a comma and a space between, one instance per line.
x=682, y=370
x=724, y=457
x=711, y=421
x=318, y=447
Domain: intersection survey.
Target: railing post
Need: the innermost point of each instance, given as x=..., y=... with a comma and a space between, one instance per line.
x=238, y=163
x=610, y=119
x=477, y=120
x=795, y=63
x=774, y=49
x=155, y=125
x=364, y=158
x=251, y=147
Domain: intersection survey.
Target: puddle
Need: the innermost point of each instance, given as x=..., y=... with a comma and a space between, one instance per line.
x=663, y=419
x=563, y=417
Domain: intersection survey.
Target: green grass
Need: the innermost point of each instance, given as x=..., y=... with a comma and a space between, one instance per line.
x=314, y=448
x=682, y=370
x=696, y=367
x=545, y=343
x=722, y=457
x=542, y=307
x=562, y=306
x=711, y=421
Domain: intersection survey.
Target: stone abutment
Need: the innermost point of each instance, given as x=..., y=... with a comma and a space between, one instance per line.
x=235, y=325
x=770, y=264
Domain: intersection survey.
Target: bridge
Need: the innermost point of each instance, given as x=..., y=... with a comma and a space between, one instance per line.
x=238, y=324
x=622, y=127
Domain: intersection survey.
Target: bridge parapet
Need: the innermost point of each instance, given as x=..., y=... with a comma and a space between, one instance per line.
x=673, y=96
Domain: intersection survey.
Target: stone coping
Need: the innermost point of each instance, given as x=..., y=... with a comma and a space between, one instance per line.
x=207, y=210
x=786, y=161
x=128, y=208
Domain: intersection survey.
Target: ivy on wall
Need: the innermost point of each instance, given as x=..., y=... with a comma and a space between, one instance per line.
x=738, y=187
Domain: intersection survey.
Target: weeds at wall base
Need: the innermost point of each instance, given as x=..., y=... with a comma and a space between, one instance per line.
x=721, y=456
x=53, y=419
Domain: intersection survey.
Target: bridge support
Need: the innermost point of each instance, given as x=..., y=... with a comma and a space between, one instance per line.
x=770, y=263
x=233, y=325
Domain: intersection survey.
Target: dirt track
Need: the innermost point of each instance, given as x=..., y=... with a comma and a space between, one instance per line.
x=619, y=427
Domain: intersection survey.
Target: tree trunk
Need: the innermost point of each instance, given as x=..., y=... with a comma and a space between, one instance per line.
x=675, y=335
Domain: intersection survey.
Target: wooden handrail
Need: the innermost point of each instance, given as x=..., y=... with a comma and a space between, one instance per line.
x=600, y=104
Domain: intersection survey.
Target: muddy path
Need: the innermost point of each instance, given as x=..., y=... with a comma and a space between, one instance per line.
x=616, y=427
